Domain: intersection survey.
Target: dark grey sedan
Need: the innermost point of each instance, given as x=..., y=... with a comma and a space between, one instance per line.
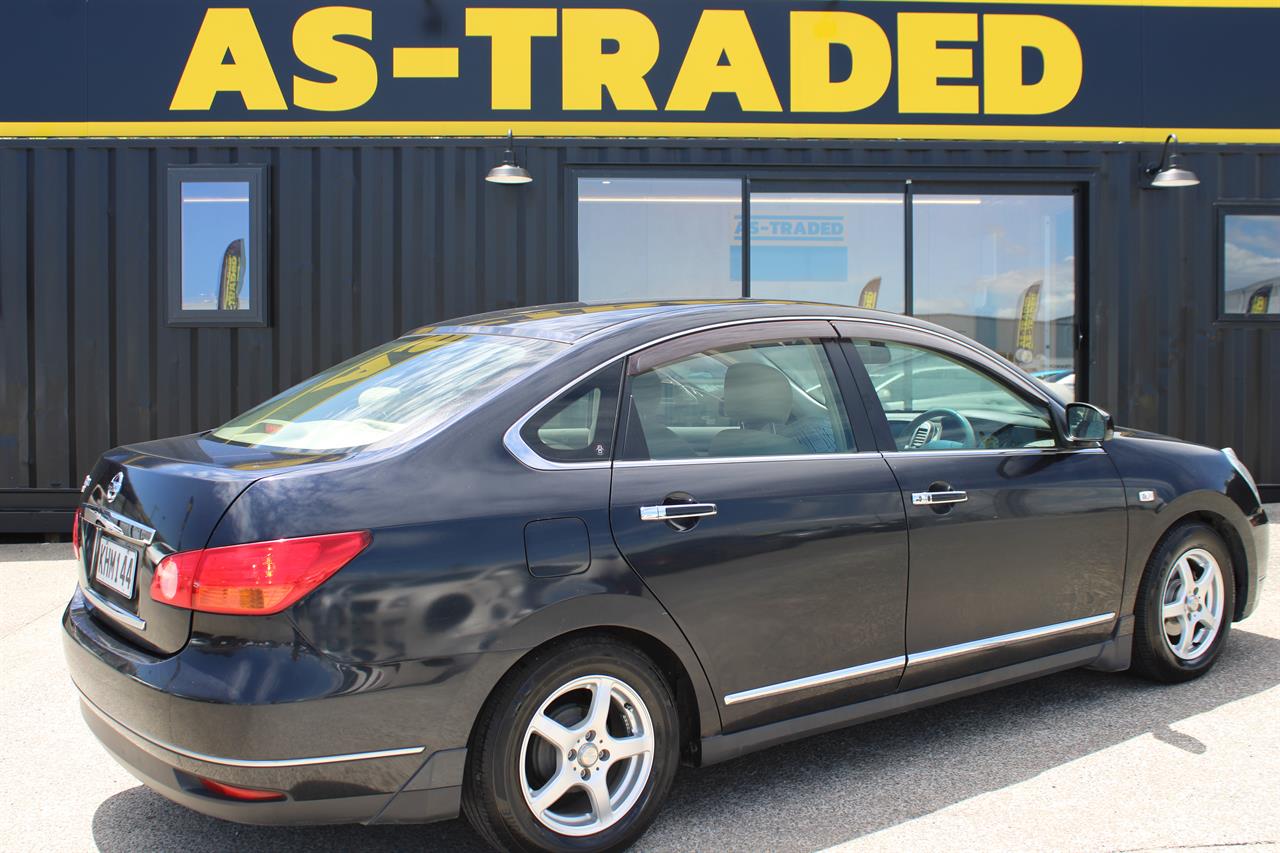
x=524, y=564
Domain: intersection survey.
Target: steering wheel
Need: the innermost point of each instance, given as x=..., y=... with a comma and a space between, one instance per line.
x=922, y=430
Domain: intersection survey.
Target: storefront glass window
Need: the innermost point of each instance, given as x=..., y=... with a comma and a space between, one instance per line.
x=845, y=248
x=215, y=243
x=215, y=246
x=1001, y=269
x=658, y=238
x=1251, y=265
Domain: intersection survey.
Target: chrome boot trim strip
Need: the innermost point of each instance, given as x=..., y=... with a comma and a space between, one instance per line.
x=248, y=762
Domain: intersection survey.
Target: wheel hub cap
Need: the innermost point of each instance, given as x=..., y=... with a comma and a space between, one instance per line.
x=597, y=736
x=1193, y=603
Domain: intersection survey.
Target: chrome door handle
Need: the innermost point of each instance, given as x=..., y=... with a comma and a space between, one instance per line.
x=676, y=512
x=935, y=498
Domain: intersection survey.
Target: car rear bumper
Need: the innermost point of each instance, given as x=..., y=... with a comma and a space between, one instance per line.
x=338, y=756
x=177, y=777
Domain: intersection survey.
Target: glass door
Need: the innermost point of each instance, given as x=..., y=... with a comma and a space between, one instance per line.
x=1000, y=267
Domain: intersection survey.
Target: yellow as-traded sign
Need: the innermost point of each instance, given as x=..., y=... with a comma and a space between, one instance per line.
x=1061, y=70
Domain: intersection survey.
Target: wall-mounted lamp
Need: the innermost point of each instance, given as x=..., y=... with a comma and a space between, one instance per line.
x=1164, y=176
x=508, y=172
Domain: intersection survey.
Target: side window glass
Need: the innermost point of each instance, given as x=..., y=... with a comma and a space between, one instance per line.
x=578, y=425
x=935, y=402
x=772, y=398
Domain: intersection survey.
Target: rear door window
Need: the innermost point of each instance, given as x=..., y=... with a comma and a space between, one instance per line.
x=762, y=398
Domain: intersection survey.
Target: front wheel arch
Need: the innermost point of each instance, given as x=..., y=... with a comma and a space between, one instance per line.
x=1235, y=546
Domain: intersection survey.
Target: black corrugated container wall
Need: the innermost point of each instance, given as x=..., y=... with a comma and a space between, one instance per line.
x=369, y=238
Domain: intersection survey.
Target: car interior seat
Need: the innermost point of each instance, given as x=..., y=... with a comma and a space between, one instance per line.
x=758, y=397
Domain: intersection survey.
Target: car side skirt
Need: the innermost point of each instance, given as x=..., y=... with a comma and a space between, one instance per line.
x=723, y=747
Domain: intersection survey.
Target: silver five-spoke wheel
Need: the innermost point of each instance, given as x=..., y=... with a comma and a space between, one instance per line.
x=586, y=755
x=1192, y=604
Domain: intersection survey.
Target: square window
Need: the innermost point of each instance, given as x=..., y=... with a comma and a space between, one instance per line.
x=216, y=243
x=1250, y=251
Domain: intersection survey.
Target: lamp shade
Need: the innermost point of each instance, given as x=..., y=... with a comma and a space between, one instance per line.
x=1174, y=176
x=508, y=173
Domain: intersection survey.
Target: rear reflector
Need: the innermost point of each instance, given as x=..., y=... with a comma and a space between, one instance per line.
x=234, y=792
x=258, y=578
x=75, y=533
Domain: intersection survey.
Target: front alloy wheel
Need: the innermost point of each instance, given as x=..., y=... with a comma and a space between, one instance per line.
x=1193, y=604
x=1184, y=606
x=575, y=751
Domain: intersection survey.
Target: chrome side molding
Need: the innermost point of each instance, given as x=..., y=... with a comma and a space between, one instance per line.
x=905, y=662
x=988, y=643
x=820, y=680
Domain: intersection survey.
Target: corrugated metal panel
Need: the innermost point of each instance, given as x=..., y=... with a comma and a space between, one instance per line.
x=369, y=238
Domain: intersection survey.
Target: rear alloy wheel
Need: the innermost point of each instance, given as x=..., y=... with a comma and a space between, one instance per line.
x=1184, y=605
x=587, y=755
x=575, y=751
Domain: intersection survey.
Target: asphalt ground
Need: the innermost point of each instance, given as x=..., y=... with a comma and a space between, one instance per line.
x=1077, y=761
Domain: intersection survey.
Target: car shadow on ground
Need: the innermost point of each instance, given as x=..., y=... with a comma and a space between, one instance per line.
x=830, y=788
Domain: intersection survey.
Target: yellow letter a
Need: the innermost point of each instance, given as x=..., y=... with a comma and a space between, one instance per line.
x=727, y=32
x=249, y=72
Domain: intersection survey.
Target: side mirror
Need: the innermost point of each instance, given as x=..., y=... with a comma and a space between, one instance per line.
x=1086, y=422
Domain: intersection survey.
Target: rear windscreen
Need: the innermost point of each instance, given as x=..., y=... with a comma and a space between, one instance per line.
x=416, y=383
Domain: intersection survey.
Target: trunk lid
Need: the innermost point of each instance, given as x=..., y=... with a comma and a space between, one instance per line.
x=146, y=501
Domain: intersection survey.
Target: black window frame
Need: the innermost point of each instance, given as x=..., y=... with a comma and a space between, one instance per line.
x=258, y=314
x=1223, y=209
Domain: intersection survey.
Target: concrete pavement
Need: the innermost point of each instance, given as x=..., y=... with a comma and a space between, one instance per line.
x=1078, y=761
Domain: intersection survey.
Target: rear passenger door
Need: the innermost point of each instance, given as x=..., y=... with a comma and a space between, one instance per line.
x=754, y=505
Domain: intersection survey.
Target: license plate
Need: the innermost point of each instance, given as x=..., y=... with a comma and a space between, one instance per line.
x=115, y=566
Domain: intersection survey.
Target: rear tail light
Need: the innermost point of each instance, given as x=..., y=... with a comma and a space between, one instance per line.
x=235, y=792
x=75, y=533
x=258, y=578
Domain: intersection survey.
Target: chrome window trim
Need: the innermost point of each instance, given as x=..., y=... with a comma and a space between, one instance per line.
x=116, y=524
x=991, y=451
x=115, y=612
x=849, y=674
x=528, y=457
x=250, y=762
x=988, y=643
x=721, y=460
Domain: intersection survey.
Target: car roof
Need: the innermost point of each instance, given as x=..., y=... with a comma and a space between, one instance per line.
x=571, y=322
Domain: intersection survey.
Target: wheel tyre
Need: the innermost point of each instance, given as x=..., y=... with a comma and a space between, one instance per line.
x=493, y=798
x=1152, y=656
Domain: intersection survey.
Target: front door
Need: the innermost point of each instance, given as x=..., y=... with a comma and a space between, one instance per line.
x=763, y=519
x=1017, y=541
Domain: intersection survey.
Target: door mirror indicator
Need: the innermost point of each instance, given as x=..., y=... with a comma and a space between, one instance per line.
x=1086, y=423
